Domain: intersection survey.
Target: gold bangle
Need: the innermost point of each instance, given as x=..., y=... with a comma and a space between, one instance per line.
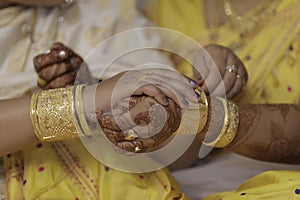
x=52, y=114
x=203, y=106
x=230, y=125
x=195, y=113
x=81, y=121
x=233, y=124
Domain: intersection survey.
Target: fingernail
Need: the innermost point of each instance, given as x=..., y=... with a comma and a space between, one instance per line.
x=193, y=83
x=166, y=100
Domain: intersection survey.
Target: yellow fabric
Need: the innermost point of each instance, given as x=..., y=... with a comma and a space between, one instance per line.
x=275, y=185
x=65, y=170
x=271, y=54
x=272, y=67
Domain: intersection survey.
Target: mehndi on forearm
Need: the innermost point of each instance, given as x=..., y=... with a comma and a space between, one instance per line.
x=268, y=133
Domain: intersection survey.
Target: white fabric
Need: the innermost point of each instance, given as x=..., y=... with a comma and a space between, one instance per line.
x=222, y=171
x=26, y=32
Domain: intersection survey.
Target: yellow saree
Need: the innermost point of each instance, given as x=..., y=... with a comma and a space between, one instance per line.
x=65, y=170
x=270, y=49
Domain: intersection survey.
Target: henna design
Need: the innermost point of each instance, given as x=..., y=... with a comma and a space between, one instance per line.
x=250, y=116
x=279, y=149
x=59, y=67
x=139, y=110
x=283, y=109
x=296, y=107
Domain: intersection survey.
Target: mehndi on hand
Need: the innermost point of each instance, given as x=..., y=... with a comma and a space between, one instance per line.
x=125, y=134
x=59, y=67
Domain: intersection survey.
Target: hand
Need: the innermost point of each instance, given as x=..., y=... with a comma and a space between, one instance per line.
x=229, y=67
x=142, y=127
x=161, y=84
x=59, y=68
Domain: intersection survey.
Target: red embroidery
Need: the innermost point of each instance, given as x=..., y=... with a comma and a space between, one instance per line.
x=41, y=169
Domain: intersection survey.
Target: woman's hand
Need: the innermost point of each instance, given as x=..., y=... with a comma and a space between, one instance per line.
x=143, y=126
x=161, y=84
x=59, y=68
x=229, y=67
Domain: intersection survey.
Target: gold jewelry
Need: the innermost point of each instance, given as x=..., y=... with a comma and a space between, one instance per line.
x=230, y=126
x=131, y=135
x=231, y=68
x=137, y=147
x=195, y=113
x=81, y=119
x=52, y=114
x=203, y=107
x=41, y=82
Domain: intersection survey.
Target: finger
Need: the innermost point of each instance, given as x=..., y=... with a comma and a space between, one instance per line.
x=155, y=92
x=138, y=145
x=61, y=81
x=166, y=92
x=212, y=81
x=57, y=46
x=182, y=86
x=107, y=121
x=114, y=136
x=229, y=77
x=225, y=85
x=242, y=72
x=237, y=88
x=76, y=61
x=53, y=71
x=200, y=63
x=54, y=56
x=166, y=75
x=176, y=96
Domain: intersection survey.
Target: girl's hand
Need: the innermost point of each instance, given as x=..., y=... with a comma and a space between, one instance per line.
x=161, y=84
x=229, y=67
x=59, y=68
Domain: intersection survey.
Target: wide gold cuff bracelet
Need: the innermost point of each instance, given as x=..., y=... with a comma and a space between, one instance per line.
x=53, y=114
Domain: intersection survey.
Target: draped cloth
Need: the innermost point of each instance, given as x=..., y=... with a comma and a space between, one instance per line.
x=270, y=51
x=65, y=170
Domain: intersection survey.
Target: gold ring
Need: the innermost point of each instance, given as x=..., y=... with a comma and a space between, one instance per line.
x=231, y=68
x=41, y=82
x=137, y=147
x=131, y=135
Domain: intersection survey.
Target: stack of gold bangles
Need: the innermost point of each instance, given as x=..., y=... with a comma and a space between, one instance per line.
x=230, y=125
x=58, y=114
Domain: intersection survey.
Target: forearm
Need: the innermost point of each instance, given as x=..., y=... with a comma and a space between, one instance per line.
x=15, y=125
x=266, y=132
x=269, y=133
